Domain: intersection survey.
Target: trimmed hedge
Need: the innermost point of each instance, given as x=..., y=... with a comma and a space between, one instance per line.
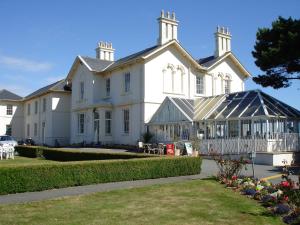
x=69, y=155
x=49, y=176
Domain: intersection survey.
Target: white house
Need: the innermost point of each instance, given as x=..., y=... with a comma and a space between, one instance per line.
x=112, y=101
x=47, y=115
x=11, y=114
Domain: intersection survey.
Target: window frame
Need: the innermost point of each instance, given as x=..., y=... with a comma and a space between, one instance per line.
x=28, y=109
x=9, y=110
x=28, y=130
x=127, y=78
x=126, y=121
x=36, y=107
x=108, y=122
x=200, y=85
x=81, y=90
x=80, y=123
x=35, y=130
x=8, y=130
x=44, y=104
x=107, y=87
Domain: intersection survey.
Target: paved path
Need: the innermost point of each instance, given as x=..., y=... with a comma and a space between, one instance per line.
x=209, y=168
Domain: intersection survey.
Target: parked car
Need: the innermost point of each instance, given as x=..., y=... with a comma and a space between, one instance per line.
x=27, y=141
x=5, y=139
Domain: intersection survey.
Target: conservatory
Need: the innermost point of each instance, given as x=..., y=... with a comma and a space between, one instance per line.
x=239, y=122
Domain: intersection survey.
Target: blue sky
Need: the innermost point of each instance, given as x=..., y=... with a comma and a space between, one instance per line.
x=40, y=39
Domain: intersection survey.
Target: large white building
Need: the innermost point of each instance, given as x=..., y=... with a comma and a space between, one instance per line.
x=112, y=101
x=108, y=101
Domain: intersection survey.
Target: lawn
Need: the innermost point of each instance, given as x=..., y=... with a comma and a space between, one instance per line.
x=23, y=161
x=191, y=202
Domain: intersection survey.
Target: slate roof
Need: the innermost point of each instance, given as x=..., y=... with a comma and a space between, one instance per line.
x=208, y=61
x=57, y=86
x=99, y=65
x=7, y=95
x=96, y=64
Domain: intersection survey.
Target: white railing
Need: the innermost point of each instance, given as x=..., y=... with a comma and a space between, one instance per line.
x=276, y=143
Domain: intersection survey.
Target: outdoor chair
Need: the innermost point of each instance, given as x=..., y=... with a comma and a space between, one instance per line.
x=161, y=149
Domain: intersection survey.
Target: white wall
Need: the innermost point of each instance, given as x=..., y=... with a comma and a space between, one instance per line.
x=226, y=67
x=56, y=118
x=16, y=120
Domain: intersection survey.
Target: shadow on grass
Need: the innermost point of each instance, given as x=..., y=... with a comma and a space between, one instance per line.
x=210, y=178
x=265, y=213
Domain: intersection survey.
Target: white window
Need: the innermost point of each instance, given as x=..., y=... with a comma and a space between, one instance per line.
x=127, y=82
x=8, y=130
x=35, y=129
x=81, y=91
x=227, y=85
x=107, y=122
x=44, y=104
x=28, y=130
x=126, y=121
x=9, y=110
x=199, y=85
x=108, y=87
x=35, y=107
x=28, y=109
x=81, y=123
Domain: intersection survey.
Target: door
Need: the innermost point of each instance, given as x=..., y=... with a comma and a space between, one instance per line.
x=96, y=127
x=43, y=132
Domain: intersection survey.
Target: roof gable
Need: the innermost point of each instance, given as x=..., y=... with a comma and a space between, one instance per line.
x=212, y=61
x=7, y=95
x=180, y=49
x=56, y=86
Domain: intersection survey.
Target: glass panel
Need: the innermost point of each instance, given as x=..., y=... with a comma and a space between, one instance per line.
x=233, y=128
x=246, y=128
x=254, y=105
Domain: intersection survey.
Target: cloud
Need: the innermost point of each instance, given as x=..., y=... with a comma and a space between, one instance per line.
x=25, y=64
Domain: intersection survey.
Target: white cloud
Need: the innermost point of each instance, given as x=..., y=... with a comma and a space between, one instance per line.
x=25, y=64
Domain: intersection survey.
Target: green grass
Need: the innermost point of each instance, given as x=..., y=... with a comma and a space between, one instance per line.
x=191, y=202
x=24, y=161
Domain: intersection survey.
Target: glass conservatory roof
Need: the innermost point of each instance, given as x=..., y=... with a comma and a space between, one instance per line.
x=246, y=104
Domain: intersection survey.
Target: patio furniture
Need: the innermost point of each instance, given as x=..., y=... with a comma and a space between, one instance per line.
x=161, y=148
x=7, y=151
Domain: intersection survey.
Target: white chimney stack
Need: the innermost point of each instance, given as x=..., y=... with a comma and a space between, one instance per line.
x=105, y=51
x=223, y=41
x=167, y=27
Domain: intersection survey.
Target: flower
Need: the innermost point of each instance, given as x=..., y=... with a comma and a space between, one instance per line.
x=285, y=184
x=286, y=198
x=234, y=177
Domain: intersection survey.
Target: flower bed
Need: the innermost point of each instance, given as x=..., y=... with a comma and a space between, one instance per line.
x=281, y=199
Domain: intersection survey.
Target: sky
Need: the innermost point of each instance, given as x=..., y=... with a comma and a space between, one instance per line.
x=39, y=40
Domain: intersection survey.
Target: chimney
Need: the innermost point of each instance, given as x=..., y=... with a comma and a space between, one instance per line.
x=167, y=27
x=223, y=41
x=104, y=51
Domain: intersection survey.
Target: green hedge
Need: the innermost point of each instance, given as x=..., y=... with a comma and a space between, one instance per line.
x=69, y=155
x=59, y=175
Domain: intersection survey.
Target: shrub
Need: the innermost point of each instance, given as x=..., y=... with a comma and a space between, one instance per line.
x=69, y=155
x=58, y=175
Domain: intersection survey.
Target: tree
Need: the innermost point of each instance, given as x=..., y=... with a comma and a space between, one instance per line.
x=277, y=53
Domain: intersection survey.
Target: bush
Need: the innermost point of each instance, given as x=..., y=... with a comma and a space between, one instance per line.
x=59, y=175
x=69, y=155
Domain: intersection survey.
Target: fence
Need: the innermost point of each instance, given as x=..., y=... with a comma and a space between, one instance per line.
x=280, y=142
